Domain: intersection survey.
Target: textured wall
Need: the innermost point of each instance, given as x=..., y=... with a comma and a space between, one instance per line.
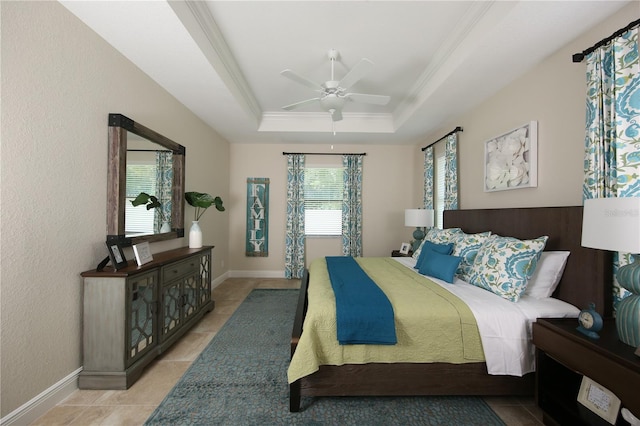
x=552, y=93
x=59, y=82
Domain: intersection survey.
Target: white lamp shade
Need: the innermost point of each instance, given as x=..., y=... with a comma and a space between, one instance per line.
x=612, y=224
x=418, y=217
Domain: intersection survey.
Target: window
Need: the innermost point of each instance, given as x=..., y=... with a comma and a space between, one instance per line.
x=141, y=177
x=323, y=201
x=439, y=172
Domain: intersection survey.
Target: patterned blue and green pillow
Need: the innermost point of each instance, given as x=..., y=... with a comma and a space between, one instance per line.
x=504, y=265
x=467, y=247
x=438, y=236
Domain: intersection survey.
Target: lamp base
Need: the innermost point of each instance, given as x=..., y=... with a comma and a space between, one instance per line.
x=628, y=310
x=418, y=236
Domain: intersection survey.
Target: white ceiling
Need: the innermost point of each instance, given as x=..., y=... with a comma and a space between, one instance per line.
x=436, y=59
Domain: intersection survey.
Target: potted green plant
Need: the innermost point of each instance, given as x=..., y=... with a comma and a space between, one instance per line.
x=201, y=201
x=152, y=202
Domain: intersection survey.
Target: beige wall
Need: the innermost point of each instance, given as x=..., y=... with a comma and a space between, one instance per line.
x=553, y=94
x=386, y=188
x=59, y=82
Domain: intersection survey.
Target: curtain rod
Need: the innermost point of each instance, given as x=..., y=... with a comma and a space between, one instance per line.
x=322, y=153
x=457, y=129
x=578, y=57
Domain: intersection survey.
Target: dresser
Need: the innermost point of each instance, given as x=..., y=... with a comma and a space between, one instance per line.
x=136, y=313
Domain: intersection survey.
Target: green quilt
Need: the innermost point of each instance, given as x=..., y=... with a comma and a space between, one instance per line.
x=432, y=325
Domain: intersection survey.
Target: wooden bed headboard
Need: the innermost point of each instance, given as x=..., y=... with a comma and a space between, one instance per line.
x=588, y=274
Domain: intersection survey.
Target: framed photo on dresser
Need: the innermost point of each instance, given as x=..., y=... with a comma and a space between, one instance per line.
x=116, y=255
x=142, y=252
x=404, y=248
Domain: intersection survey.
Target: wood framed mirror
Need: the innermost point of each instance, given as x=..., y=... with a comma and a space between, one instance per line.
x=142, y=160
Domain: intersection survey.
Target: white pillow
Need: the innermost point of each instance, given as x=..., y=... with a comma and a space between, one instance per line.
x=547, y=275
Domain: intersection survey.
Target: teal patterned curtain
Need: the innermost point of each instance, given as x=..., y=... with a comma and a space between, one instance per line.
x=352, y=206
x=294, y=235
x=451, y=173
x=428, y=178
x=164, y=181
x=612, y=137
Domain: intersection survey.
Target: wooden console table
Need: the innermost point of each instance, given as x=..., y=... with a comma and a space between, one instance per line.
x=136, y=313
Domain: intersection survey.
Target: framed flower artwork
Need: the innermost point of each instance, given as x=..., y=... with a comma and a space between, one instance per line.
x=511, y=159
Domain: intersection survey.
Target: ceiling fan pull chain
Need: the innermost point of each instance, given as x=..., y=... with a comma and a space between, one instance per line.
x=333, y=123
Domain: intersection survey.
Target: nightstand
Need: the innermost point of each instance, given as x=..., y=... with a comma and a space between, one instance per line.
x=396, y=253
x=564, y=356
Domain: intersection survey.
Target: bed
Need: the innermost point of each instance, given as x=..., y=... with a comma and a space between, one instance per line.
x=586, y=279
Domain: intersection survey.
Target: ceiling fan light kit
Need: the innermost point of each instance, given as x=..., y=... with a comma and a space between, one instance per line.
x=333, y=93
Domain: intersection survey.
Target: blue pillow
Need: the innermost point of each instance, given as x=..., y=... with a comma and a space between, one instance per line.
x=429, y=246
x=438, y=265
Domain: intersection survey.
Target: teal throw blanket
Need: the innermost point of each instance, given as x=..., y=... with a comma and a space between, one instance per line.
x=364, y=314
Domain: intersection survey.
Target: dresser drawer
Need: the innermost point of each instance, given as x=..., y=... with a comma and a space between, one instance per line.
x=180, y=269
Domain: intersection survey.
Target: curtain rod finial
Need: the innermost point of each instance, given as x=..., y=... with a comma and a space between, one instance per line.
x=577, y=57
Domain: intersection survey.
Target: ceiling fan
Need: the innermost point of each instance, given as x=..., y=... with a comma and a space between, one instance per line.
x=333, y=93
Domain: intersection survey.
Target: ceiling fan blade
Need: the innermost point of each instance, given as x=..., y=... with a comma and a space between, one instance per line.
x=299, y=104
x=301, y=80
x=356, y=73
x=368, y=99
x=336, y=115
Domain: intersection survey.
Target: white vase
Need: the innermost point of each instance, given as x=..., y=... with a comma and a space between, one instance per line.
x=195, y=235
x=166, y=227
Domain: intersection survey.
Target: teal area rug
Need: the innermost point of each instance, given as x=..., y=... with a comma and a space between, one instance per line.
x=240, y=379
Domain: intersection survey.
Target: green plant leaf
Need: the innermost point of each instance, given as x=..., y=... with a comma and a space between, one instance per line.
x=153, y=203
x=202, y=201
x=141, y=199
x=199, y=199
x=218, y=203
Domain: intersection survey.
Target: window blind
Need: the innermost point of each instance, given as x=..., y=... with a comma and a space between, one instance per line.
x=323, y=192
x=140, y=178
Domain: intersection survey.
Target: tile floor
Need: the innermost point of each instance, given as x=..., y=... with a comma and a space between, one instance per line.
x=132, y=406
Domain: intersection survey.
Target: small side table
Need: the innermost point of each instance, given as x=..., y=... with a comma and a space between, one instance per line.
x=564, y=356
x=396, y=253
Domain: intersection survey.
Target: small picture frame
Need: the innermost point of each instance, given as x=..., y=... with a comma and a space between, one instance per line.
x=599, y=399
x=142, y=252
x=404, y=248
x=116, y=255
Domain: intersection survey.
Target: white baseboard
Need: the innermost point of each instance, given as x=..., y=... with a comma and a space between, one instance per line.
x=256, y=274
x=219, y=280
x=28, y=412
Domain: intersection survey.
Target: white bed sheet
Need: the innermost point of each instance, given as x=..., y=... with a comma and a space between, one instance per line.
x=504, y=326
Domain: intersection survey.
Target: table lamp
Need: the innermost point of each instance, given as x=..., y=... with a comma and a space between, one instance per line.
x=614, y=224
x=420, y=218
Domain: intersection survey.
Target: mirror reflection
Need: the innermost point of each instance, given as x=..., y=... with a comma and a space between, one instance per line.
x=149, y=171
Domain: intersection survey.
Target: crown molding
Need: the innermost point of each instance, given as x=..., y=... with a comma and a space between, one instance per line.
x=466, y=35
x=197, y=19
